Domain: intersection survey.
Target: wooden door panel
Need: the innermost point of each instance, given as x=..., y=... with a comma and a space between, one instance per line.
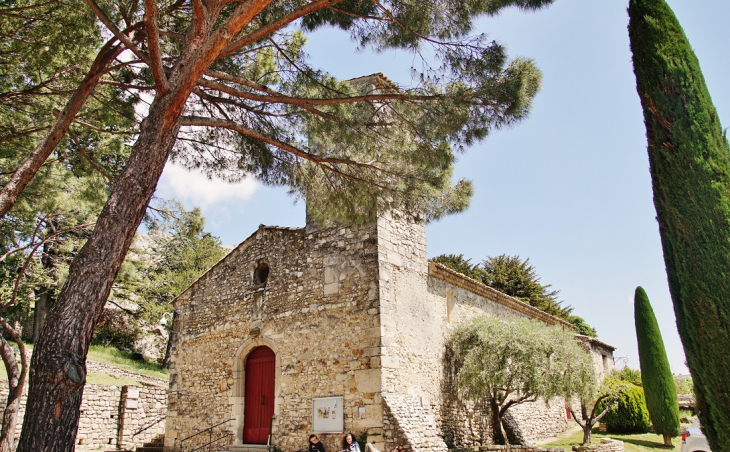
x=259, y=395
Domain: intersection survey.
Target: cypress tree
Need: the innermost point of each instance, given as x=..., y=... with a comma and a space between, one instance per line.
x=658, y=383
x=690, y=170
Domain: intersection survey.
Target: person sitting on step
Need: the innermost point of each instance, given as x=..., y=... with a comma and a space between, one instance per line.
x=314, y=444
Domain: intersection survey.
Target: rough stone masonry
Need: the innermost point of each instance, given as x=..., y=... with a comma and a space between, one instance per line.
x=355, y=313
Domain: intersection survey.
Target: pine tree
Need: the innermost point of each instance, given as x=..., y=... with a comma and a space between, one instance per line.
x=460, y=264
x=232, y=95
x=659, y=389
x=690, y=170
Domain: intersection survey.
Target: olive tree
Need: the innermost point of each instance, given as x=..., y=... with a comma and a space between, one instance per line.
x=508, y=362
x=597, y=403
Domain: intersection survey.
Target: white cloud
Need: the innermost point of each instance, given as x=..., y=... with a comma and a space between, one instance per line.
x=195, y=188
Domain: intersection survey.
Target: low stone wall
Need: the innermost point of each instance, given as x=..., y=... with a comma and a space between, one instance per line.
x=122, y=416
x=516, y=449
x=607, y=445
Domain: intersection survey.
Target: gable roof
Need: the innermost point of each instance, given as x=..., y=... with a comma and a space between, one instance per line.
x=262, y=227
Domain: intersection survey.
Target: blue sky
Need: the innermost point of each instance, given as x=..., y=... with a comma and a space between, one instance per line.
x=568, y=188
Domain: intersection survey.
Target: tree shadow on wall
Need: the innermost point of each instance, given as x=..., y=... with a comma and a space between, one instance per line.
x=464, y=423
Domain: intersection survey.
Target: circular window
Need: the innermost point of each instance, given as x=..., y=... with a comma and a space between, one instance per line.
x=261, y=273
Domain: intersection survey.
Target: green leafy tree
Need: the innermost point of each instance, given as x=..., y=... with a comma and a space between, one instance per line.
x=37, y=240
x=496, y=360
x=630, y=375
x=161, y=264
x=517, y=278
x=599, y=403
x=460, y=264
x=583, y=327
x=660, y=392
x=45, y=51
x=181, y=252
x=233, y=96
x=683, y=384
x=630, y=414
x=689, y=159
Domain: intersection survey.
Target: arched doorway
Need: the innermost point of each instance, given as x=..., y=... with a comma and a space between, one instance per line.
x=259, y=395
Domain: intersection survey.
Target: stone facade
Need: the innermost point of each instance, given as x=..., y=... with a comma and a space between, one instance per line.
x=357, y=313
x=119, y=416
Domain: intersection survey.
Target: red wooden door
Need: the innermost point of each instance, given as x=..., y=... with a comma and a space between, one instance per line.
x=259, y=405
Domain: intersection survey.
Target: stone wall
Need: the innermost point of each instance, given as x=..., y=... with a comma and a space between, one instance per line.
x=351, y=312
x=516, y=449
x=317, y=311
x=606, y=445
x=410, y=425
x=602, y=355
x=541, y=419
x=463, y=424
x=121, y=416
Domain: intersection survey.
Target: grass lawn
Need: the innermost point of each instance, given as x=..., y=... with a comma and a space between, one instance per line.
x=109, y=380
x=640, y=442
x=112, y=356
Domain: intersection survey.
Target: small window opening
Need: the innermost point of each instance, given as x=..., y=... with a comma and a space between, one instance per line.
x=261, y=274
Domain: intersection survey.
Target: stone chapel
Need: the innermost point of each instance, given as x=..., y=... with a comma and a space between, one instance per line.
x=331, y=330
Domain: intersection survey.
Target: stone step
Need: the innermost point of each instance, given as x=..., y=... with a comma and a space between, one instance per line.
x=248, y=448
x=156, y=445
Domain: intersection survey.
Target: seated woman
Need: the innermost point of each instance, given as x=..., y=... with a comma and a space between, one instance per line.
x=314, y=444
x=350, y=445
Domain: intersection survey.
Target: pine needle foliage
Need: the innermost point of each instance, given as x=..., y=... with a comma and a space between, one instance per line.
x=659, y=389
x=517, y=278
x=690, y=169
x=459, y=263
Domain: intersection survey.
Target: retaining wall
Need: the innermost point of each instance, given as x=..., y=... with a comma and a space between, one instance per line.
x=121, y=416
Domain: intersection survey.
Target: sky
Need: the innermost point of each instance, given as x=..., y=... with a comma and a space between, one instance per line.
x=569, y=187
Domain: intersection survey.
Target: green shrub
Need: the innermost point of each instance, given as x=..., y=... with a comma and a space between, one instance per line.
x=633, y=376
x=630, y=415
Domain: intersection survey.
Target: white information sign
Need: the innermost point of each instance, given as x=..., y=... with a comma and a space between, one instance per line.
x=327, y=415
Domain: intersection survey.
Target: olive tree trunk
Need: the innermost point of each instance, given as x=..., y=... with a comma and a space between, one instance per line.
x=499, y=435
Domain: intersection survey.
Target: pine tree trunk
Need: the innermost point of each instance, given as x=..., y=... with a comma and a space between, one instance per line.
x=44, y=297
x=42, y=304
x=58, y=368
